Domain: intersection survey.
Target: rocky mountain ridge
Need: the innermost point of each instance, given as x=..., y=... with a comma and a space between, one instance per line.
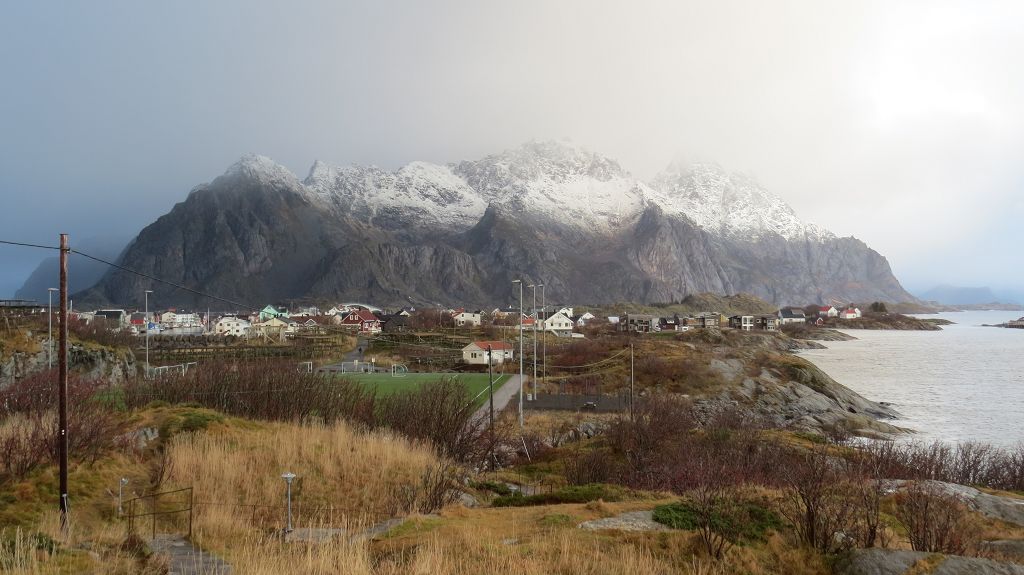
x=546, y=211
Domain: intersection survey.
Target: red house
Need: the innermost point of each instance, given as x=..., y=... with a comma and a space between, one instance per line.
x=362, y=319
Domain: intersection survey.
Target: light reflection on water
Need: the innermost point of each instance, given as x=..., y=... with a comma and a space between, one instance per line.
x=965, y=382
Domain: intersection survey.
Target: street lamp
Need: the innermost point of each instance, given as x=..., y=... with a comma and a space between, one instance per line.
x=149, y=291
x=536, y=320
x=520, y=282
x=120, y=494
x=288, y=480
x=544, y=351
x=49, y=327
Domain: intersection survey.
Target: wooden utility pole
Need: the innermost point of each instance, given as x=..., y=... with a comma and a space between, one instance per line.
x=632, y=417
x=490, y=382
x=62, y=385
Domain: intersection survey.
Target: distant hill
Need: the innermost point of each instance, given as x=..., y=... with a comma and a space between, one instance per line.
x=83, y=273
x=956, y=295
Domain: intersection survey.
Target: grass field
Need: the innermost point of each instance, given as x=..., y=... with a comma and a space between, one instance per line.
x=385, y=383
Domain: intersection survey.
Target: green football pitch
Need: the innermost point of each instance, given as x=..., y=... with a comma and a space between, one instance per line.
x=385, y=383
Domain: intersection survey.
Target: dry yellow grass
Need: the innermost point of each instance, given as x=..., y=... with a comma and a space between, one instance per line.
x=344, y=475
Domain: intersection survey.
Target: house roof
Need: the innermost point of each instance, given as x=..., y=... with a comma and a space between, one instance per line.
x=790, y=312
x=495, y=345
x=361, y=315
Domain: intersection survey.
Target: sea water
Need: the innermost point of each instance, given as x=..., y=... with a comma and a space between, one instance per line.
x=964, y=383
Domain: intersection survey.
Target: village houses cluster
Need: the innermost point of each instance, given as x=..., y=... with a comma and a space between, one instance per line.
x=277, y=323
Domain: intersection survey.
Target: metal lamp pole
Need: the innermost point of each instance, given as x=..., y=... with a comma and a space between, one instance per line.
x=147, y=330
x=544, y=344
x=520, y=282
x=288, y=480
x=536, y=320
x=120, y=495
x=49, y=327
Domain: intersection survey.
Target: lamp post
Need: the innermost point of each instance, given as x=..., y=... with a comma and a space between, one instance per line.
x=536, y=320
x=520, y=282
x=147, y=330
x=544, y=344
x=288, y=476
x=49, y=327
x=120, y=495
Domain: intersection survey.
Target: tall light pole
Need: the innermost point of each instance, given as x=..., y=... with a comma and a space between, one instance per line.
x=520, y=282
x=544, y=352
x=149, y=291
x=49, y=327
x=536, y=320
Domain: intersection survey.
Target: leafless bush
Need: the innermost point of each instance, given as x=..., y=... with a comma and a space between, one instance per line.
x=968, y=463
x=100, y=331
x=819, y=502
x=716, y=503
x=659, y=421
x=936, y=521
x=28, y=422
x=443, y=414
x=438, y=487
x=269, y=390
x=587, y=466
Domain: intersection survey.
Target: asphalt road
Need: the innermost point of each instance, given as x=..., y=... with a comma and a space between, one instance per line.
x=502, y=396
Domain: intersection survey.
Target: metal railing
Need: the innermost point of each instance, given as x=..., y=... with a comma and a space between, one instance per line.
x=150, y=506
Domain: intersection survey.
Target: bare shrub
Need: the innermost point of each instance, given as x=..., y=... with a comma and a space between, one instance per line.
x=28, y=422
x=587, y=466
x=271, y=390
x=441, y=413
x=819, y=502
x=659, y=421
x=936, y=521
x=438, y=487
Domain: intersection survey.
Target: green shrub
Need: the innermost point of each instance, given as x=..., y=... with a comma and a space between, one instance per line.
x=749, y=523
x=555, y=520
x=496, y=487
x=569, y=494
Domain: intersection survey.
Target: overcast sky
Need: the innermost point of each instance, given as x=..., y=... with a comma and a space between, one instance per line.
x=900, y=123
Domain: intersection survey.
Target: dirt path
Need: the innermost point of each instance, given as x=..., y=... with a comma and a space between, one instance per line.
x=187, y=559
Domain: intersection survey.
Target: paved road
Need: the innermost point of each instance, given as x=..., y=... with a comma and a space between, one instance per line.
x=502, y=396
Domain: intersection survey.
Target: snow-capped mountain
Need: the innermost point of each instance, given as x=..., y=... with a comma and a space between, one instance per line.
x=547, y=211
x=729, y=204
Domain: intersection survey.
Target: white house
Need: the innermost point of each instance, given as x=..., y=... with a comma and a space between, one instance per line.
x=232, y=325
x=476, y=352
x=791, y=315
x=566, y=311
x=584, y=318
x=828, y=311
x=850, y=313
x=467, y=318
x=558, y=324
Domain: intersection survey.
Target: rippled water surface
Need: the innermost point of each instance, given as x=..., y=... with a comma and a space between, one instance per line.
x=965, y=382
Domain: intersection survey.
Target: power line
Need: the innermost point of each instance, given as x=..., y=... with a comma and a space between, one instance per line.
x=167, y=282
x=29, y=245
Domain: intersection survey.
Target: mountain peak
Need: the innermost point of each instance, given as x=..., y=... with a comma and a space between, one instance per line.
x=261, y=169
x=729, y=203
